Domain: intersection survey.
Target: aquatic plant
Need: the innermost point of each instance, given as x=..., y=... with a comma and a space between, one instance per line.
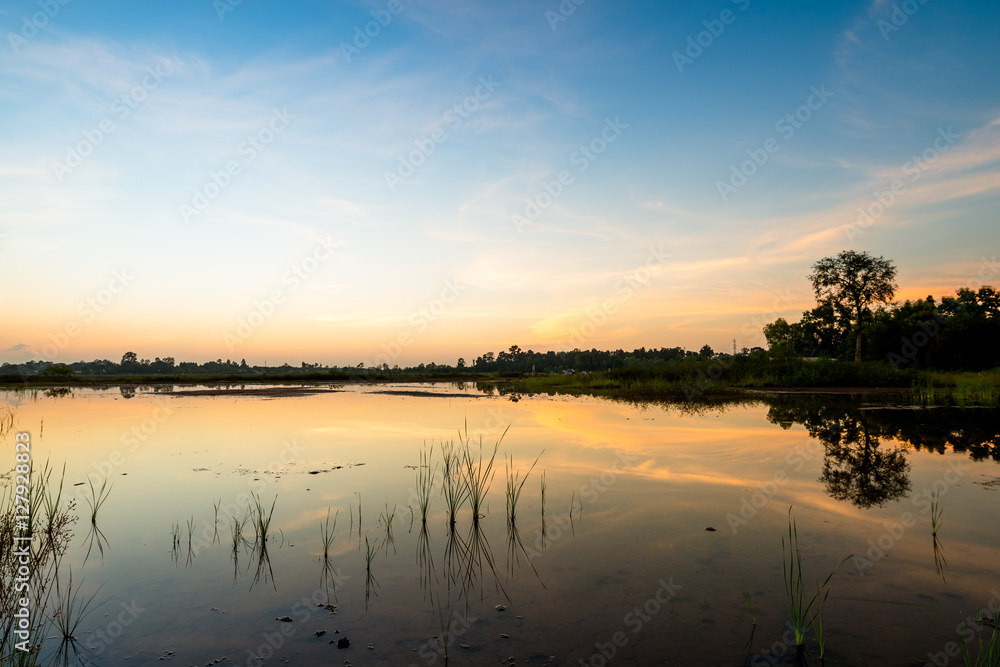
x=515, y=484
x=359, y=518
x=572, y=507
x=936, y=512
x=328, y=534
x=237, y=528
x=753, y=629
x=542, y=484
x=43, y=557
x=175, y=534
x=371, y=583
x=799, y=605
x=216, y=504
x=445, y=631
x=425, y=481
x=478, y=476
x=50, y=501
x=454, y=490
x=261, y=518
x=385, y=518
x=97, y=498
x=987, y=653
x=746, y=596
x=6, y=421
x=818, y=619
x=70, y=610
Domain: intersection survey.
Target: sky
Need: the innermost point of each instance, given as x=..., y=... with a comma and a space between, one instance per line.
x=409, y=181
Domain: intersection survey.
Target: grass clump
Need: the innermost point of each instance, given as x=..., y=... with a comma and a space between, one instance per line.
x=44, y=553
x=453, y=488
x=425, y=481
x=987, y=651
x=328, y=534
x=478, y=475
x=799, y=603
x=515, y=483
x=936, y=512
x=261, y=518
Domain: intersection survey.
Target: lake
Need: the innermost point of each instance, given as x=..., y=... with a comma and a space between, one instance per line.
x=659, y=521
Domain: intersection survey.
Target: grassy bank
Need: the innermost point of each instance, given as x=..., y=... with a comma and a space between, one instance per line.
x=700, y=379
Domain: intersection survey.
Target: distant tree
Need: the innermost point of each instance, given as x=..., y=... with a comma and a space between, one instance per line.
x=706, y=351
x=130, y=360
x=461, y=362
x=856, y=281
x=57, y=371
x=779, y=336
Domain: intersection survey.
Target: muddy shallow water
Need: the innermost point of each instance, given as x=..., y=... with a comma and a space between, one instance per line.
x=622, y=568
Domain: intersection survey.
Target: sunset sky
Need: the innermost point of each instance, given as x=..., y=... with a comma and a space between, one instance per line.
x=332, y=181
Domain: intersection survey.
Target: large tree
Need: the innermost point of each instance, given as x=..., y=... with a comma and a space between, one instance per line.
x=856, y=281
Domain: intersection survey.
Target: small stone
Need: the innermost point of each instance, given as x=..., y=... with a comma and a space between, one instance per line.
x=283, y=619
x=320, y=633
x=710, y=529
x=501, y=607
x=503, y=636
x=343, y=642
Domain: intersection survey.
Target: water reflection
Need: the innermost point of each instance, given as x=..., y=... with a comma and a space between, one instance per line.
x=859, y=467
x=940, y=564
x=687, y=466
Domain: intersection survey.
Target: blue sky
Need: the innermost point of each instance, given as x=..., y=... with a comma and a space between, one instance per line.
x=187, y=93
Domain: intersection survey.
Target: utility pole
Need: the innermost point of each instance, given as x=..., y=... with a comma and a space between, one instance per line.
x=734, y=347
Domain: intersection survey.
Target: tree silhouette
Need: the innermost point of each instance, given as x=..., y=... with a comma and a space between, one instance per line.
x=857, y=281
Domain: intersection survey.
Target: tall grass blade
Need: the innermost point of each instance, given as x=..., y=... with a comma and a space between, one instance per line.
x=328, y=534
x=425, y=482
x=515, y=484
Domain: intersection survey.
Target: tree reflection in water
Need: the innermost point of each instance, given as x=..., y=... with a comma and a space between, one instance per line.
x=858, y=468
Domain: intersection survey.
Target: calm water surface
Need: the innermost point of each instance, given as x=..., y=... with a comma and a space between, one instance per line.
x=625, y=571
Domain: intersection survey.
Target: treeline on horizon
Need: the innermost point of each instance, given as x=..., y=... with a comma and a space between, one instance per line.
x=510, y=361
